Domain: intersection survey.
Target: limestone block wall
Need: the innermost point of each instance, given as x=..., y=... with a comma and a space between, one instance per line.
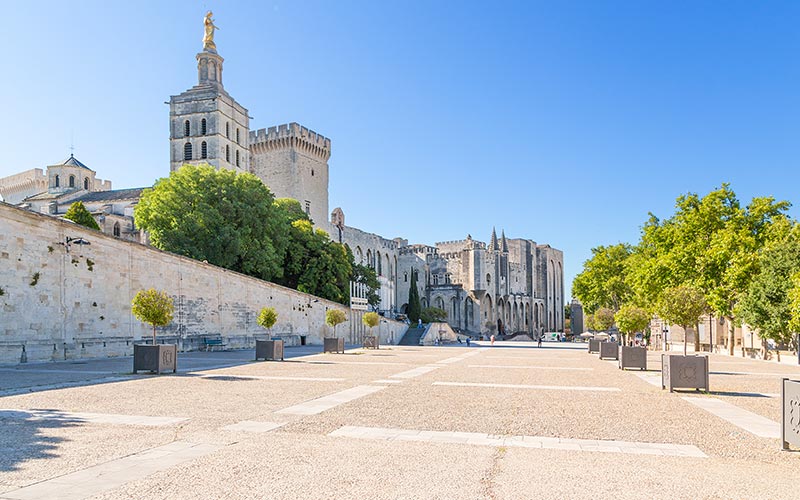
x=65, y=303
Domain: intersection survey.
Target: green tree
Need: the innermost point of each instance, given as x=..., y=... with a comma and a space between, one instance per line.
x=433, y=314
x=371, y=320
x=367, y=276
x=767, y=304
x=602, y=282
x=267, y=318
x=683, y=306
x=631, y=319
x=78, y=214
x=794, y=305
x=414, y=309
x=589, y=323
x=603, y=318
x=220, y=216
x=153, y=307
x=334, y=317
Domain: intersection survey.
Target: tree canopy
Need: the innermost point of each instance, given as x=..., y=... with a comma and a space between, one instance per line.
x=267, y=318
x=371, y=319
x=78, y=214
x=602, y=282
x=603, y=318
x=682, y=305
x=433, y=314
x=153, y=307
x=631, y=319
x=334, y=317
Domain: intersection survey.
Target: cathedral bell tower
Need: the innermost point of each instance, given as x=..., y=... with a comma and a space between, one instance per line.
x=206, y=124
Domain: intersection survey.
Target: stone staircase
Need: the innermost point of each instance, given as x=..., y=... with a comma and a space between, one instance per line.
x=412, y=335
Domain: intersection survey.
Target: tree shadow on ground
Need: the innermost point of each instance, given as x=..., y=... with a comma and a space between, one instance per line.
x=25, y=435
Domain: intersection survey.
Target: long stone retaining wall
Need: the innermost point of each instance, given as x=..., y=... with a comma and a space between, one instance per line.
x=64, y=300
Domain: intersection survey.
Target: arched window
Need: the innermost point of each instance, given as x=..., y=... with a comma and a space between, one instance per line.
x=228, y=130
x=237, y=157
x=228, y=153
x=187, y=151
x=116, y=229
x=488, y=278
x=203, y=150
x=186, y=128
x=237, y=136
x=58, y=181
x=72, y=181
x=86, y=183
x=203, y=126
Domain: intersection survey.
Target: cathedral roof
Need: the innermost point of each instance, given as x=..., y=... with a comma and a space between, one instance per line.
x=74, y=162
x=112, y=195
x=493, y=242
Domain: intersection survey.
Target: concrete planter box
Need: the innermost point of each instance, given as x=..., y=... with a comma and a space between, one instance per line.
x=632, y=357
x=155, y=358
x=790, y=416
x=270, y=350
x=684, y=372
x=609, y=350
x=371, y=342
x=333, y=344
x=594, y=345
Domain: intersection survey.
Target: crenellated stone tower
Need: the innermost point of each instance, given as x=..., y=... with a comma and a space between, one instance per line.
x=207, y=125
x=293, y=162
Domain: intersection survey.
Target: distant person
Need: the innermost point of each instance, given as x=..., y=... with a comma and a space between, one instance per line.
x=492, y=339
x=539, y=343
x=419, y=323
x=467, y=341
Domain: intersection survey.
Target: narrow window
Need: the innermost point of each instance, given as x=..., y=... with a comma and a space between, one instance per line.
x=86, y=183
x=203, y=150
x=186, y=128
x=308, y=207
x=116, y=229
x=237, y=158
x=187, y=151
x=203, y=126
x=405, y=277
x=58, y=181
x=237, y=136
x=228, y=130
x=72, y=181
x=228, y=153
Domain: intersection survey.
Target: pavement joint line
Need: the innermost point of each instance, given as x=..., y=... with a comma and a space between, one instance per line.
x=275, y=377
x=318, y=405
x=540, y=442
x=523, y=386
x=93, y=480
x=92, y=418
x=415, y=372
x=744, y=419
x=650, y=379
x=334, y=362
x=387, y=381
x=253, y=426
x=511, y=367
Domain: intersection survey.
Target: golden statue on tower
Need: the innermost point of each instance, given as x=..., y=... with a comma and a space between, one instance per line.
x=208, y=36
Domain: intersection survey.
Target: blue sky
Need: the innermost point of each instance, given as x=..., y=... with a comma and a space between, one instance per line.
x=562, y=122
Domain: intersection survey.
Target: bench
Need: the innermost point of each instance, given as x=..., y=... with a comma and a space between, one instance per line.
x=211, y=343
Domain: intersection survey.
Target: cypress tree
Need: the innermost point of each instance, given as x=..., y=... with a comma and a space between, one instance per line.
x=78, y=214
x=414, y=306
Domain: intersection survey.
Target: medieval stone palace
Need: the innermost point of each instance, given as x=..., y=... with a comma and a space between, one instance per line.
x=507, y=286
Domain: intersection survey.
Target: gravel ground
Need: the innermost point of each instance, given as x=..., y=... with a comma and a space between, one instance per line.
x=300, y=459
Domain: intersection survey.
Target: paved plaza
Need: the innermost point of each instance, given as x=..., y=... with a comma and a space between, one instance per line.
x=509, y=421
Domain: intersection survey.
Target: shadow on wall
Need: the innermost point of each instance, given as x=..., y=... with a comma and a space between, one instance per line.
x=26, y=436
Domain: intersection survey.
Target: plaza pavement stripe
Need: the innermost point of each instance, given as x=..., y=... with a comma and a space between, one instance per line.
x=99, y=478
x=513, y=367
x=331, y=401
x=332, y=362
x=92, y=418
x=451, y=360
x=649, y=378
x=386, y=381
x=415, y=372
x=276, y=377
x=522, y=386
x=747, y=420
x=253, y=426
x=551, y=443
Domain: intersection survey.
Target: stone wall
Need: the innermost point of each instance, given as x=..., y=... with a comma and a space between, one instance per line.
x=64, y=302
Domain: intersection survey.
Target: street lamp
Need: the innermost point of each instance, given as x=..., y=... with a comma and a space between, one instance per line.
x=70, y=241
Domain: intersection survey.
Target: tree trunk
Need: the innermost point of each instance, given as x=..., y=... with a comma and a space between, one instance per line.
x=697, y=337
x=731, y=336
x=685, y=330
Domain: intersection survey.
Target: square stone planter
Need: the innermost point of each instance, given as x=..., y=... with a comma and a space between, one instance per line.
x=270, y=350
x=594, y=345
x=155, y=358
x=632, y=357
x=684, y=372
x=609, y=350
x=790, y=416
x=371, y=342
x=333, y=344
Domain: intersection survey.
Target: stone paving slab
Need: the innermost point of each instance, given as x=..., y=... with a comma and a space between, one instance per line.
x=524, y=386
x=253, y=426
x=327, y=402
x=749, y=421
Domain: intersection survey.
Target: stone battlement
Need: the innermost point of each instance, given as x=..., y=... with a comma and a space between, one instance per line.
x=291, y=135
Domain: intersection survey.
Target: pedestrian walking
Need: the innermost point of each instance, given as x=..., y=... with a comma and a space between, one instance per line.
x=539, y=343
x=419, y=323
x=492, y=339
x=467, y=341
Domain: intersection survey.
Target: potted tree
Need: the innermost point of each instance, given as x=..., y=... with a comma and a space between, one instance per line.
x=371, y=320
x=334, y=317
x=268, y=349
x=155, y=308
x=631, y=319
x=683, y=305
x=604, y=320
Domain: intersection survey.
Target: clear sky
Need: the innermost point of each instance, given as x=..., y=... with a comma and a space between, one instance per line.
x=563, y=122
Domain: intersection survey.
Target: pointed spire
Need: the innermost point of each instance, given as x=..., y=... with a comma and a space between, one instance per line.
x=503, y=243
x=493, y=243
